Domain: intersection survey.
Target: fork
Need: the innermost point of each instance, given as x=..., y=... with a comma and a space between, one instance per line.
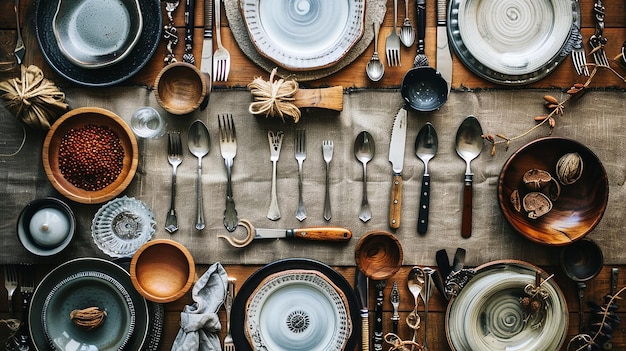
x=10, y=283
x=21, y=340
x=228, y=148
x=392, y=43
x=175, y=158
x=275, y=140
x=300, y=154
x=597, y=41
x=19, y=43
x=229, y=344
x=579, y=56
x=327, y=151
x=221, y=57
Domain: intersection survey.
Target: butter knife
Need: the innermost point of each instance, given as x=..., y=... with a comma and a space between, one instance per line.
x=396, y=157
x=206, y=63
x=444, y=56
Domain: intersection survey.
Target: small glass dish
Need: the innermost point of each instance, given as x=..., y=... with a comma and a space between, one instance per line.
x=122, y=226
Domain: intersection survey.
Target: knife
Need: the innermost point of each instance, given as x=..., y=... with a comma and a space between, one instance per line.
x=308, y=233
x=361, y=287
x=189, y=23
x=206, y=63
x=444, y=57
x=396, y=157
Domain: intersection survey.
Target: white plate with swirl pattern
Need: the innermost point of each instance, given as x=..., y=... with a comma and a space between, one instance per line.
x=303, y=34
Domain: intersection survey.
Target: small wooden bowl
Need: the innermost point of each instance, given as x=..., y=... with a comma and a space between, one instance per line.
x=78, y=118
x=180, y=88
x=162, y=270
x=378, y=255
x=576, y=211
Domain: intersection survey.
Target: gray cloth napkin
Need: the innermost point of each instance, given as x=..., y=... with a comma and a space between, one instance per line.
x=199, y=323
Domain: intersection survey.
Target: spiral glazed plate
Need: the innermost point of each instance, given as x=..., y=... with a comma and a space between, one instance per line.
x=512, y=42
x=122, y=226
x=488, y=315
x=303, y=34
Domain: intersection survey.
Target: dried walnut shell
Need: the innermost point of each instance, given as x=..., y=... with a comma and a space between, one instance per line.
x=536, y=179
x=569, y=168
x=88, y=318
x=536, y=204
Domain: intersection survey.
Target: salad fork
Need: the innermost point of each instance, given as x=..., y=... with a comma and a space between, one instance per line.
x=327, y=151
x=10, y=283
x=392, y=43
x=175, y=158
x=300, y=154
x=221, y=57
x=276, y=141
x=228, y=148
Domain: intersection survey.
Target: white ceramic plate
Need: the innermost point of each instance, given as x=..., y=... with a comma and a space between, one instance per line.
x=97, y=33
x=487, y=314
x=297, y=310
x=122, y=226
x=303, y=34
x=512, y=42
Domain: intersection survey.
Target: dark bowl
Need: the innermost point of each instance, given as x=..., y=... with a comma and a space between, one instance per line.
x=378, y=255
x=424, y=89
x=53, y=232
x=582, y=260
x=579, y=207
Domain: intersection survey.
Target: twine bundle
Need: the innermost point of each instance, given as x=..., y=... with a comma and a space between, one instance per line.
x=274, y=98
x=33, y=99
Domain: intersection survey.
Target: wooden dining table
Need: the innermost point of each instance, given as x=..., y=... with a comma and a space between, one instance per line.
x=467, y=89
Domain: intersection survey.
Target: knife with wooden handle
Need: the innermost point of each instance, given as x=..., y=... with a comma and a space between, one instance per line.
x=396, y=157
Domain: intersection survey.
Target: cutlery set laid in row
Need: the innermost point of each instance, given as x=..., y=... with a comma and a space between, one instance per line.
x=19, y=278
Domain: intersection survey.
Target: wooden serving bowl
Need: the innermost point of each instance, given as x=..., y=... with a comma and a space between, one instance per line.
x=378, y=255
x=576, y=211
x=78, y=118
x=162, y=270
x=180, y=88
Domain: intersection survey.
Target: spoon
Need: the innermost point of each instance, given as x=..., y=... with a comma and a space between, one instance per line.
x=415, y=283
x=364, y=149
x=199, y=145
x=469, y=143
x=375, y=69
x=426, y=145
x=407, y=33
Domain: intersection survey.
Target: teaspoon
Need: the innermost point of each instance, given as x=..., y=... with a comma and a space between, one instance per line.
x=375, y=69
x=364, y=149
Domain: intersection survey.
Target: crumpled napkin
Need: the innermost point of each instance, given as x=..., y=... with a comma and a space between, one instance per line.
x=199, y=323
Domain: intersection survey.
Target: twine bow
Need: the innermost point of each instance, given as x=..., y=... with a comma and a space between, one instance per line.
x=274, y=98
x=398, y=344
x=32, y=98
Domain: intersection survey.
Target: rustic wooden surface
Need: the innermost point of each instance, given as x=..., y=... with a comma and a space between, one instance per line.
x=353, y=76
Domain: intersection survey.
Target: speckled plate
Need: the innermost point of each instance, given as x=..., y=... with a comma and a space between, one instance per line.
x=512, y=42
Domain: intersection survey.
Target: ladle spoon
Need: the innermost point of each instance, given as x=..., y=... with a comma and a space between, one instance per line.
x=199, y=145
x=375, y=68
x=364, y=149
x=415, y=283
x=469, y=143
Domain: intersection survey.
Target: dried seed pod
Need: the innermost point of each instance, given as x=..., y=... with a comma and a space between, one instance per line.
x=536, y=204
x=540, y=118
x=536, y=179
x=515, y=200
x=552, y=190
x=88, y=318
x=569, y=168
x=551, y=99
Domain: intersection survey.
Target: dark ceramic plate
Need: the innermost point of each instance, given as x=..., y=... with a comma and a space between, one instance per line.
x=238, y=313
x=107, y=76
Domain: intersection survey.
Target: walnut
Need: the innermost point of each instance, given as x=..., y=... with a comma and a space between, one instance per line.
x=569, y=168
x=88, y=318
x=536, y=204
x=536, y=179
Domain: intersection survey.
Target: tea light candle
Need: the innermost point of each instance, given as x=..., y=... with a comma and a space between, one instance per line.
x=49, y=227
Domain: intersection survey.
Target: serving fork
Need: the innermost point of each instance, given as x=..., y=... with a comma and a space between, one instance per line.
x=300, y=154
x=276, y=141
x=175, y=158
x=228, y=148
x=327, y=152
x=221, y=57
x=229, y=344
x=597, y=40
x=392, y=43
x=10, y=283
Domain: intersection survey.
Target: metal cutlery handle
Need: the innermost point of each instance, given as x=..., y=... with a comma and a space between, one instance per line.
x=377, y=338
x=217, y=14
x=422, y=217
x=199, y=202
x=228, y=303
x=466, y=219
x=366, y=213
x=274, y=212
x=171, y=222
x=327, y=209
x=189, y=24
x=19, y=43
x=230, y=213
x=301, y=211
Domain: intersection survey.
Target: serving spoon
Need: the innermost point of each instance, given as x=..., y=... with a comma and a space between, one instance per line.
x=469, y=143
x=199, y=145
x=364, y=149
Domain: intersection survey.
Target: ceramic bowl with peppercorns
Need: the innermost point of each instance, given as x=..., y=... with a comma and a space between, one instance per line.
x=90, y=155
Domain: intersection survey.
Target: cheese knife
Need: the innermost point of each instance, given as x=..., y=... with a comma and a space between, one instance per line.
x=444, y=57
x=206, y=62
x=396, y=157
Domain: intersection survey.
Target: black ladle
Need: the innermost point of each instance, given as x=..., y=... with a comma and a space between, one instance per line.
x=423, y=88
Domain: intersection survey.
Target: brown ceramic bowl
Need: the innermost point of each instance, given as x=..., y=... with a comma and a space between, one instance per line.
x=576, y=211
x=180, y=88
x=378, y=255
x=79, y=118
x=162, y=270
